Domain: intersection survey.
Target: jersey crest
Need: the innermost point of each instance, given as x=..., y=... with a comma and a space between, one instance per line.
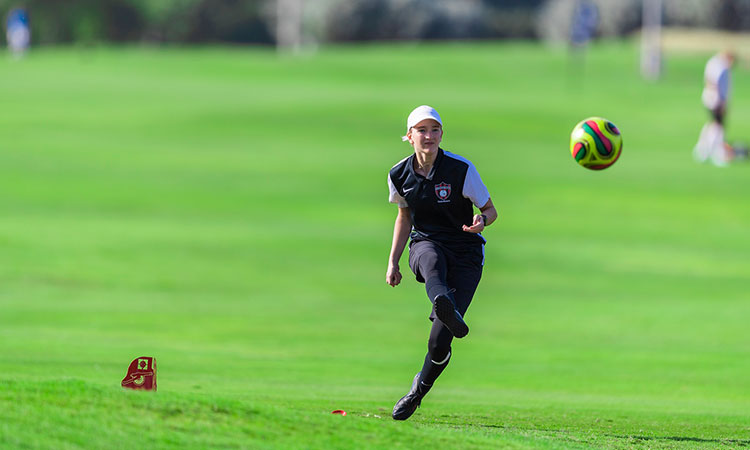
x=443, y=191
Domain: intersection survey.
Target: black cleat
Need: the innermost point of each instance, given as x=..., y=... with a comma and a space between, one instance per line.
x=446, y=311
x=404, y=408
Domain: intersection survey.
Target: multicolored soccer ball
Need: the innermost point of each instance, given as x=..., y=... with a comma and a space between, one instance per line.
x=595, y=143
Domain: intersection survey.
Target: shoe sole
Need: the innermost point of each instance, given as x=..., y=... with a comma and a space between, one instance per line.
x=446, y=312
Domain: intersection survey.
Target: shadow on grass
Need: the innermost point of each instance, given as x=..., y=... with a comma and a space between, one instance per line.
x=736, y=442
x=740, y=442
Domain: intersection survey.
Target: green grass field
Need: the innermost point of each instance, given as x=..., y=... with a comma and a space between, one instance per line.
x=225, y=210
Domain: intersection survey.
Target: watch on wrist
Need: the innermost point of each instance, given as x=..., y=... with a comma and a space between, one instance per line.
x=484, y=217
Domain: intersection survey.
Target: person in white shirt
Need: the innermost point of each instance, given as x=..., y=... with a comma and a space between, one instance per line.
x=711, y=144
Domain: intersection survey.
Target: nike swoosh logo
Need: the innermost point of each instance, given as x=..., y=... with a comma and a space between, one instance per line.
x=406, y=191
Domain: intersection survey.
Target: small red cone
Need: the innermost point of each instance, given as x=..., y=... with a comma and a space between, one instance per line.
x=141, y=374
x=339, y=411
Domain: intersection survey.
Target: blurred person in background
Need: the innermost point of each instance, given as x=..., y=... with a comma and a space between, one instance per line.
x=436, y=192
x=17, y=31
x=583, y=25
x=711, y=144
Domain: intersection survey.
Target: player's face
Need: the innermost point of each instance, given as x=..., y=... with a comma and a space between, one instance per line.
x=426, y=135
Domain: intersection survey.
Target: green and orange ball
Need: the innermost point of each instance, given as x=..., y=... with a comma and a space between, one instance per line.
x=595, y=143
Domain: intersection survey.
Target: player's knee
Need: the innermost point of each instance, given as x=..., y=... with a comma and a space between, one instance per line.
x=429, y=267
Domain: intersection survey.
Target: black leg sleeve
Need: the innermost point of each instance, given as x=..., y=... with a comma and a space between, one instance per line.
x=438, y=353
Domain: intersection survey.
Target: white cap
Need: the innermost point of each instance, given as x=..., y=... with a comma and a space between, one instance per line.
x=419, y=114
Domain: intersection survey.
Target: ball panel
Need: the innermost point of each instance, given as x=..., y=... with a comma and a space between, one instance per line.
x=607, y=164
x=603, y=144
x=579, y=151
x=612, y=128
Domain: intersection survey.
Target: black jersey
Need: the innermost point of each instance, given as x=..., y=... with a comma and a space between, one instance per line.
x=441, y=203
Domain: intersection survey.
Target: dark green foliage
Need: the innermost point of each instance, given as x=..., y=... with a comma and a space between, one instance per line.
x=89, y=21
x=411, y=19
x=83, y=21
x=253, y=21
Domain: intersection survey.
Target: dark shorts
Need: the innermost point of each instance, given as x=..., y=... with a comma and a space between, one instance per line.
x=462, y=268
x=717, y=114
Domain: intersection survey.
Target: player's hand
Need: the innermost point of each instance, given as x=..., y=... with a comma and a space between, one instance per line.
x=393, y=276
x=477, y=226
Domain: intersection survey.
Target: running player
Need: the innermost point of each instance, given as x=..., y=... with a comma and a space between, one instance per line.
x=436, y=192
x=711, y=143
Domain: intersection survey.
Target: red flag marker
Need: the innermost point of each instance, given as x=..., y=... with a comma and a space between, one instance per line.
x=141, y=374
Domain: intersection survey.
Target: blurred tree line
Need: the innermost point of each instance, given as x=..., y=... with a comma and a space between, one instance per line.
x=253, y=21
x=55, y=21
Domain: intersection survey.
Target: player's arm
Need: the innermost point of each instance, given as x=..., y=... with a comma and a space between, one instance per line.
x=487, y=216
x=476, y=191
x=401, y=230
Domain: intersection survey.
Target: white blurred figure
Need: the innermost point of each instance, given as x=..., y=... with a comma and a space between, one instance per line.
x=17, y=31
x=711, y=144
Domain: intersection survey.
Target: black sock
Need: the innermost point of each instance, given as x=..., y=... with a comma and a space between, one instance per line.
x=431, y=369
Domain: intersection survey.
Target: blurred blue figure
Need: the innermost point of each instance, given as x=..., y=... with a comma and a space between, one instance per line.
x=584, y=24
x=17, y=31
